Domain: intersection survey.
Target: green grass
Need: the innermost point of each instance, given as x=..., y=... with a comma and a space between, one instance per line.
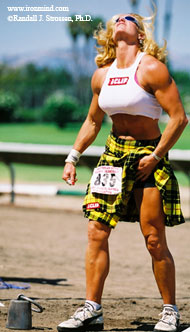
x=183, y=142
x=46, y=133
x=36, y=174
x=50, y=134
x=41, y=174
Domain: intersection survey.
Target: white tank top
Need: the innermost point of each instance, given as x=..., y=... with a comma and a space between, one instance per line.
x=121, y=93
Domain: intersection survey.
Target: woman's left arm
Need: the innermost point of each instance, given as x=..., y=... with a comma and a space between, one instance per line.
x=158, y=81
x=165, y=90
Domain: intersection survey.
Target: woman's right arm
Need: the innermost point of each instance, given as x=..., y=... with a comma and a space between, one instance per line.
x=89, y=129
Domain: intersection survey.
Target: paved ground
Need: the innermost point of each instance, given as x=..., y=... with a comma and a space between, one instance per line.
x=43, y=243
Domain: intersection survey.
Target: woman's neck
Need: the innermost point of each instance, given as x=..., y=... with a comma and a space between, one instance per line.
x=126, y=54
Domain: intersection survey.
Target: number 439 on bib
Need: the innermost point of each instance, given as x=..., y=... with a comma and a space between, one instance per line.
x=106, y=180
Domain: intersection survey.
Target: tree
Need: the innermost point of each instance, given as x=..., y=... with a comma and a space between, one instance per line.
x=60, y=109
x=83, y=63
x=8, y=104
x=167, y=19
x=32, y=83
x=134, y=4
x=182, y=79
x=75, y=31
x=85, y=30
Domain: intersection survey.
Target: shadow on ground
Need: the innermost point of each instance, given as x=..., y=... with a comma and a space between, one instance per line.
x=54, y=282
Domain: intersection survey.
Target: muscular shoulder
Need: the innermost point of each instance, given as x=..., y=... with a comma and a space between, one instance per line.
x=98, y=79
x=154, y=73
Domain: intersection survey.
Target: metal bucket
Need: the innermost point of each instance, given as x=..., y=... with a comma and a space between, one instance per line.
x=20, y=313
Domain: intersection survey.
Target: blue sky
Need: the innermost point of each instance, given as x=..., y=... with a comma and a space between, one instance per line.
x=21, y=37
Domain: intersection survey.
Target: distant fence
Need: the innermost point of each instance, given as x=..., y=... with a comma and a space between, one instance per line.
x=55, y=155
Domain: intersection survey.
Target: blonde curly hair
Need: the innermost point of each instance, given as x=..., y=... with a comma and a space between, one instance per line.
x=107, y=47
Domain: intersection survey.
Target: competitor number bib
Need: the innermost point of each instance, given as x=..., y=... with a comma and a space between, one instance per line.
x=106, y=180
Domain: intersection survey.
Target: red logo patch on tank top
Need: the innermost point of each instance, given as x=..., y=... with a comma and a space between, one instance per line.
x=118, y=80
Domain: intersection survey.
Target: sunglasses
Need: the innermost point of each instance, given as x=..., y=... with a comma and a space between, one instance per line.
x=129, y=18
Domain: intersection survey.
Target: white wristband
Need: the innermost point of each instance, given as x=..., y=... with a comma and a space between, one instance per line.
x=73, y=157
x=155, y=156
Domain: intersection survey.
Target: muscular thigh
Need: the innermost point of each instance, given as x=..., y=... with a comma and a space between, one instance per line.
x=150, y=207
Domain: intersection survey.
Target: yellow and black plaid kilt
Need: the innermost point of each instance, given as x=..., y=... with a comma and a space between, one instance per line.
x=109, y=209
